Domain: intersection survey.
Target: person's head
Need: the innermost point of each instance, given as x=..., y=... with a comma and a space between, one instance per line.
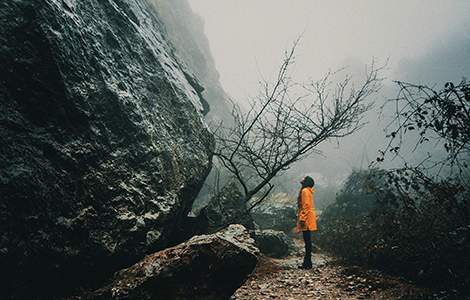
x=307, y=181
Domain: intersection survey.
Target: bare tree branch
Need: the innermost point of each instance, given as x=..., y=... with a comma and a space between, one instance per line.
x=287, y=122
x=442, y=117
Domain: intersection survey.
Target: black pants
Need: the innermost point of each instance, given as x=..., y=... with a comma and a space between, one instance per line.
x=308, y=249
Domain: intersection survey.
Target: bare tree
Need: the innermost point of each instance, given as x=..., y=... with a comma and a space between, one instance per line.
x=286, y=123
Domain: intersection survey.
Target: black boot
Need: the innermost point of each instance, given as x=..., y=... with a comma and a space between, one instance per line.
x=305, y=266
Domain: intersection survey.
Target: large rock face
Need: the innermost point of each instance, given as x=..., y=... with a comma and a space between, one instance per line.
x=102, y=145
x=205, y=267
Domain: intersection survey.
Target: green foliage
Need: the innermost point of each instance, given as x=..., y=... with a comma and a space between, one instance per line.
x=426, y=208
x=425, y=228
x=403, y=223
x=418, y=223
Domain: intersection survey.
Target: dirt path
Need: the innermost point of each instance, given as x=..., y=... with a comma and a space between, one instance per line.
x=281, y=279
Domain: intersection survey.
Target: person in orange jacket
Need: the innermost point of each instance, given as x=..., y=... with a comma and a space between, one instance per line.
x=306, y=217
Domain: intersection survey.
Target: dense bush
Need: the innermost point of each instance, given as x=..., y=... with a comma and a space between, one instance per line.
x=345, y=227
x=417, y=223
x=403, y=223
x=425, y=227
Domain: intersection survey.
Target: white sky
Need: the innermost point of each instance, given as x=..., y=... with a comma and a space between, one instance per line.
x=248, y=37
x=426, y=42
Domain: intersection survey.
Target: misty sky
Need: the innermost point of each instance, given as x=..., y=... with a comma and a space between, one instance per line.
x=426, y=42
x=248, y=37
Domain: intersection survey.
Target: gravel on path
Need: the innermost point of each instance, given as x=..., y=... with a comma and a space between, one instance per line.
x=282, y=279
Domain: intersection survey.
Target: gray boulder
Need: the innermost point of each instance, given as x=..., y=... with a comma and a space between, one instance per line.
x=205, y=267
x=103, y=147
x=225, y=208
x=274, y=243
x=277, y=215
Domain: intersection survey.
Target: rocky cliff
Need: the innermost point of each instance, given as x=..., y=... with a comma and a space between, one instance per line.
x=186, y=32
x=102, y=144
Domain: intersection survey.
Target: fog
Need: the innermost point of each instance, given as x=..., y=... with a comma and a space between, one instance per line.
x=425, y=42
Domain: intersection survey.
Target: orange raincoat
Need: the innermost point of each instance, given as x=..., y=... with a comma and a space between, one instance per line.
x=306, y=210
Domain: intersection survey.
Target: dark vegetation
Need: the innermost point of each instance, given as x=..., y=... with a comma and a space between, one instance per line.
x=413, y=221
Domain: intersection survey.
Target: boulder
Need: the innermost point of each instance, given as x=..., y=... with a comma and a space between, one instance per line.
x=103, y=147
x=278, y=213
x=274, y=243
x=225, y=208
x=205, y=267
